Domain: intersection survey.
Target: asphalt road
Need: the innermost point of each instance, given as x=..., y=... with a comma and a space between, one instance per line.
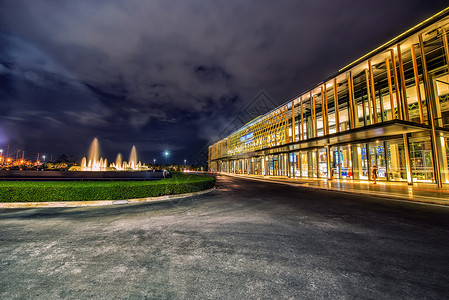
x=246, y=240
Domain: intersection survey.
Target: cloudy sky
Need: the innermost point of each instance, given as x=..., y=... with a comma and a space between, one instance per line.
x=170, y=73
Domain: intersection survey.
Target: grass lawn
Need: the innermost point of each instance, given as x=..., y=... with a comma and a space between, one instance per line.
x=44, y=191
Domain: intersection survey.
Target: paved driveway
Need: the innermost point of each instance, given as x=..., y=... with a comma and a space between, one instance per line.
x=247, y=239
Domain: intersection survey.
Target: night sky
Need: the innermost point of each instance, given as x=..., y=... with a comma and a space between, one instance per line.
x=170, y=74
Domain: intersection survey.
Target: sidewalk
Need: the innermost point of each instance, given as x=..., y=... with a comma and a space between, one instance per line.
x=418, y=192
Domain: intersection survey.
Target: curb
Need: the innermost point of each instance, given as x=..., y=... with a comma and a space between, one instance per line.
x=160, y=199
x=417, y=199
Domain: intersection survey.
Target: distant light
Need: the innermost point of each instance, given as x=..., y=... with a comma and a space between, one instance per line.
x=166, y=153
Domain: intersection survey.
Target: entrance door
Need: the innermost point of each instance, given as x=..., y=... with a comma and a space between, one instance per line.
x=304, y=165
x=335, y=162
x=377, y=158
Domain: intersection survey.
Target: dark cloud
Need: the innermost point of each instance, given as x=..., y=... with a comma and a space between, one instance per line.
x=170, y=73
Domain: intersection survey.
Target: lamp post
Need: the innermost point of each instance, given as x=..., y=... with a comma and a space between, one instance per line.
x=166, y=154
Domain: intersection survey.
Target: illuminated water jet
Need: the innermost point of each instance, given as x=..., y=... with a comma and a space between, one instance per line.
x=94, y=162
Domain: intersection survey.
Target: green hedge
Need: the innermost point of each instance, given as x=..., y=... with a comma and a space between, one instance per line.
x=43, y=191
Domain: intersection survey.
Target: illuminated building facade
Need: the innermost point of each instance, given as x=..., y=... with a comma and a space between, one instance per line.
x=388, y=109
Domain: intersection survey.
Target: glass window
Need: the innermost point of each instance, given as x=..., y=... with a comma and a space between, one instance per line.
x=396, y=161
x=322, y=163
x=421, y=160
x=377, y=158
x=304, y=165
x=360, y=162
x=343, y=103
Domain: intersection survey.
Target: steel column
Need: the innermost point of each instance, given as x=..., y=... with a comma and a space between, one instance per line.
x=396, y=85
x=337, y=110
x=418, y=92
x=373, y=93
x=430, y=98
x=390, y=88
x=293, y=121
x=404, y=92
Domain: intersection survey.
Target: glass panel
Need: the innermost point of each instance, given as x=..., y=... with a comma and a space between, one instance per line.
x=361, y=100
x=343, y=103
x=445, y=159
x=421, y=160
x=304, y=165
x=311, y=157
x=331, y=110
x=308, y=119
x=442, y=85
x=396, y=161
x=377, y=159
x=346, y=162
x=360, y=162
x=322, y=163
x=319, y=114
x=292, y=161
x=335, y=162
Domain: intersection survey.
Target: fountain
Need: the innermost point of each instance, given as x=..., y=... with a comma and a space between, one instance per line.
x=94, y=162
x=131, y=165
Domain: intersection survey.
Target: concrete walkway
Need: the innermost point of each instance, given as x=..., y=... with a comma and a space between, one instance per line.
x=419, y=192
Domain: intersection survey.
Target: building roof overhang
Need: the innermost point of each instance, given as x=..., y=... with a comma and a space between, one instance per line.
x=381, y=131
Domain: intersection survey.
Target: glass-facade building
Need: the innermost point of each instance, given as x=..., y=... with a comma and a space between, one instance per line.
x=388, y=109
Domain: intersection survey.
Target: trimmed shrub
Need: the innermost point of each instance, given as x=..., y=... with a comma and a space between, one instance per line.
x=43, y=191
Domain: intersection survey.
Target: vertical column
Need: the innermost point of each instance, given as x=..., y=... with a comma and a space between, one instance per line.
x=430, y=99
x=286, y=137
x=337, y=111
x=328, y=161
x=390, y=87
x=293, y=121
x=368, y=92
x=373, y=93
x=418, y=92
x=368, y=160
x=315, y=125
x=408, y=162
x=326, y=115
x=352, y=119
x=302, y=120
x=382, y=106
x=396, y=85
x=323, y=113
x=404, y=93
